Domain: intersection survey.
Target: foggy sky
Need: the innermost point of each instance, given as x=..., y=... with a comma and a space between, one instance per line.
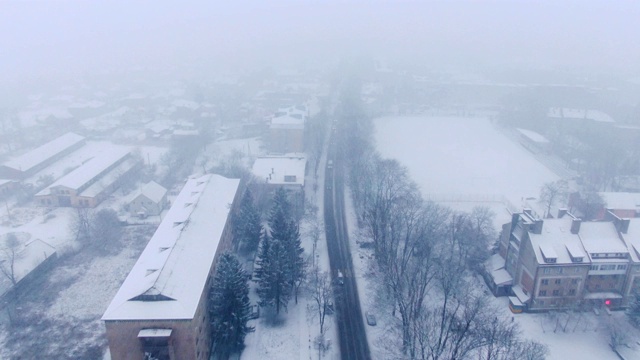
x=70, y=37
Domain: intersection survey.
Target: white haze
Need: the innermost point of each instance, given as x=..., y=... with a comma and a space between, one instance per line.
x=71, y=38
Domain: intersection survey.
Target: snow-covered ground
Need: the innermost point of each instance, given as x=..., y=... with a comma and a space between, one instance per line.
x=461, y=157
x=462, y=163
x=293, y=338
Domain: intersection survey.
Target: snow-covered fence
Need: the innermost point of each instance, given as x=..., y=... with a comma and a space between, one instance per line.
x=479, y=198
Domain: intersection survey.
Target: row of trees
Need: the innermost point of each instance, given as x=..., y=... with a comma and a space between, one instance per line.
x=426, y=254
x=280, y=273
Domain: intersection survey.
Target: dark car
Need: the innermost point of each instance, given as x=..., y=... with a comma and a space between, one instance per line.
x=371, y=319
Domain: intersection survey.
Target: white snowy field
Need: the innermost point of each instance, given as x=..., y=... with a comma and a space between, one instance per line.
x=461, y=157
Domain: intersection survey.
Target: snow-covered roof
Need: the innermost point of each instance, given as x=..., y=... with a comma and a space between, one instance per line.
x=44, y=152
x=280, y=170
x=286, y=122
x=533, y=136
x=621, y=200
x=601, y=237
x=556, y=241
x=153, y=191
x=175, y=264
x=632, y=238
x=109, y=178
x=88, y=171
x=568, y=113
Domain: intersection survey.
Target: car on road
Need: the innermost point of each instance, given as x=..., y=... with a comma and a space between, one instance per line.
x=340, y=278
x=329, y=310
x=371, y=319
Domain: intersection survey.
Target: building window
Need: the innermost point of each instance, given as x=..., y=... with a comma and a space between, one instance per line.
x=542, y=293
x=545, y=281
x=558, y=281
x=560, y=270
x=622, y=267
x=542, y=303
x=572, y=292
x=576, y=270
x=547, y=271
x=556, y=292
x=593, y=267
x=574, y=281
x=607, y=267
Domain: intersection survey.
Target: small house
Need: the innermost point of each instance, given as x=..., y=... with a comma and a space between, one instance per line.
x=150, y=200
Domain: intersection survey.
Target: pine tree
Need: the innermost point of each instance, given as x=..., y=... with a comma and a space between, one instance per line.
x=229, y=307
x=633, y=312
x=262, y=259
x=274, y=285
x=281, y=205
x=246, y=224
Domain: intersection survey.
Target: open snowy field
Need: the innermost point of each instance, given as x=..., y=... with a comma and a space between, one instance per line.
x=461, y=157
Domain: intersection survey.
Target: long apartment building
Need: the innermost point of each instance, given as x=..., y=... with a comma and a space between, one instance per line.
x=564, y=262
x=160, y=311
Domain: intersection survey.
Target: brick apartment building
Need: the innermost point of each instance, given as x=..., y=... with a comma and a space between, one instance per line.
x=161, y=308
x=564, y=262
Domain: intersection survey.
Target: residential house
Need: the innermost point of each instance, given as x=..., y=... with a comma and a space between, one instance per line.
x=150, y=200
x=286, y=171
x=161, y=309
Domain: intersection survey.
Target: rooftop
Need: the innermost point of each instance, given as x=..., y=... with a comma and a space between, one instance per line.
x=153, y=191
x=88, y=171
x=533, y=136
x=281, y=170
x=176, y=262
x=601, y=237
x=557, y=241
x=44, y=152
x=621, y=200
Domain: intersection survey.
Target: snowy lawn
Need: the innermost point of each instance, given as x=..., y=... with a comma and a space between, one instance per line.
x=466, y=157
x=67, y=303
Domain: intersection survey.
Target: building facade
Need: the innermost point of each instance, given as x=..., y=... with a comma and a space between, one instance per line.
x=161, y=309
x=565, y=263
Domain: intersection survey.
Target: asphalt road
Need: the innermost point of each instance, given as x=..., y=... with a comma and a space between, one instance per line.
x=351, y=331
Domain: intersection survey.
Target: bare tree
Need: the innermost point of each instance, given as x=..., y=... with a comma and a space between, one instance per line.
x=321, y=293
x=81, y=224
x=553, y=193
x=10, y=253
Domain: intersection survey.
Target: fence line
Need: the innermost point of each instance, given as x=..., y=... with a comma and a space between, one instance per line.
x=481, y=198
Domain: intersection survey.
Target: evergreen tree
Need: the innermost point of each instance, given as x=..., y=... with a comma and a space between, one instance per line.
x=274, y=285
x=262, y=259
x=633, y=312
x=281, y=205
x=246, y=224
x=229, y=307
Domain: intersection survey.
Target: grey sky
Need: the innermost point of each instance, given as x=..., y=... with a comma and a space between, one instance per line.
x=71, y=36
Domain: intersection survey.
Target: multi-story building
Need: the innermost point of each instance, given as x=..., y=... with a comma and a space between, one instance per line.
x=160, y=311
x=564, y=262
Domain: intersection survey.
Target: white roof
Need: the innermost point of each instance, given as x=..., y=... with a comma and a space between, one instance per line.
x=621, y=200
x=533, y=136
x=632, y=238
x=88, y=171
x=586, y=114
x=601, y=237
x=555, y=240
x=276, y=168
x=153, y=191
x=286, y=122
x=109, y=178
x=177, y=260
x=44, y=152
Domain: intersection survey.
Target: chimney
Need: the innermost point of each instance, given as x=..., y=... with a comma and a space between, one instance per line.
x=536, y=227
x=562, y=212
x=575, y=226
